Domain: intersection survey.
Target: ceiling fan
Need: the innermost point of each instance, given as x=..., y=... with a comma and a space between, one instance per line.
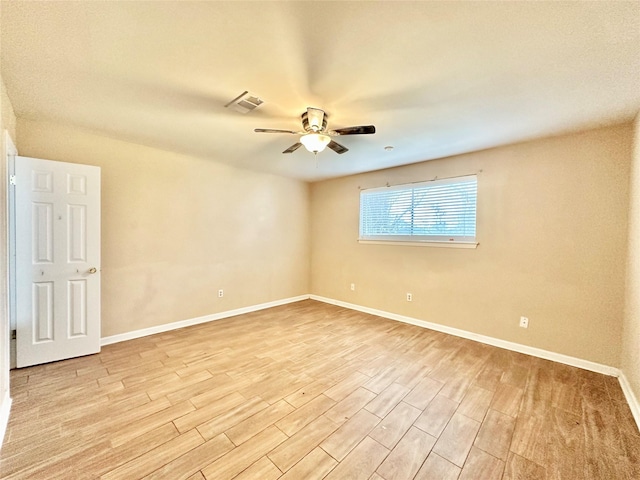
x=315, y=136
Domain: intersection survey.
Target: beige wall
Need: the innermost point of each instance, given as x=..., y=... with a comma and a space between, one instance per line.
x=7, y=122
x=175, y=229
x=552, y=217
x=552, y=220
x=631, y=337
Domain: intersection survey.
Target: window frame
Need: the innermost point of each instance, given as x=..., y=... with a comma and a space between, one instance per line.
x=459, y=241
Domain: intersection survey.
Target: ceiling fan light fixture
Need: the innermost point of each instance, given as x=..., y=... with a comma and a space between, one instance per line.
x=315, y=142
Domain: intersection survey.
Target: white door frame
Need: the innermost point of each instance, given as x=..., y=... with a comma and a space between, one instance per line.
x=11, y=152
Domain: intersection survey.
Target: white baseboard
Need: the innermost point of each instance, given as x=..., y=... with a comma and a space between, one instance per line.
x=195, y=321
x=632, y=400
x=5, y=410
x=496, y=342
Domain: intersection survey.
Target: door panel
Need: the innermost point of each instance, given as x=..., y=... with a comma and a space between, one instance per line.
x=77, y=307
x=43, y=312
x=42, y=233
x=77, y=215
x=57, y=259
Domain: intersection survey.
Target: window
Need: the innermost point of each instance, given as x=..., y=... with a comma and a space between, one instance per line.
x=436, y=211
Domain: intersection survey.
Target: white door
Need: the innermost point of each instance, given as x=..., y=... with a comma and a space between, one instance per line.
x=57, y=260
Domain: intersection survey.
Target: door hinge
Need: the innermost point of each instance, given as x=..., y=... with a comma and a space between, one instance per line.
x=13, y=334
x=12, y=179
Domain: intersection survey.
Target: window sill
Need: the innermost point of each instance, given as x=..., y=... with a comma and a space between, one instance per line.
x=421, y=244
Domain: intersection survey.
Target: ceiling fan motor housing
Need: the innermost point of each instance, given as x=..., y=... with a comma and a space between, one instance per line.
x=314, y=120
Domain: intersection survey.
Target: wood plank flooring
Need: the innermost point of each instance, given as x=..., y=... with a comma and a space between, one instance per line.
x=312, y=391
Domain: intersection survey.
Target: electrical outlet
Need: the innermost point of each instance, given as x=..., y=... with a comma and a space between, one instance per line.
x=353, y=287
x=524, y=322
x=409, y=297
x=220, y=293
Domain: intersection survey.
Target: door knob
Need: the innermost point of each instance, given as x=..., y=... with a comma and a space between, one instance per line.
x=93, y=270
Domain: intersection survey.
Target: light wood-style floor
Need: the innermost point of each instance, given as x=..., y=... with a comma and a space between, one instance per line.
x=311, y=391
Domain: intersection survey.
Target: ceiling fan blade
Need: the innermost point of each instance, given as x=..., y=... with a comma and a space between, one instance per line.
x=293, y=148
x=360, y=130
x=336, y=147
x=271, y=130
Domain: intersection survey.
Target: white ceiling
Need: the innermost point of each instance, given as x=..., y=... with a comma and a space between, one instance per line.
x=435, y=78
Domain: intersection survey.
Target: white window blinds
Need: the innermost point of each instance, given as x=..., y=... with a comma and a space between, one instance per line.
x=436, y=211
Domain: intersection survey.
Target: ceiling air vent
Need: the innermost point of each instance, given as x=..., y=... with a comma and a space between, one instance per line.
x=244, y=103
